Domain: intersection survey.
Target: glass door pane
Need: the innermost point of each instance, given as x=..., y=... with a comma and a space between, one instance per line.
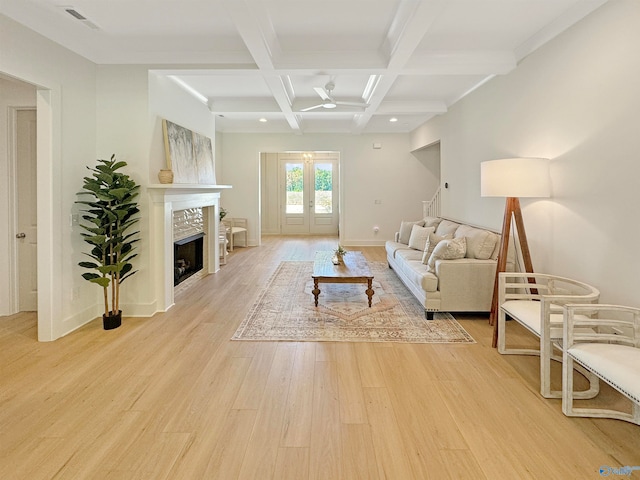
x=294, y=185
x=323, y=174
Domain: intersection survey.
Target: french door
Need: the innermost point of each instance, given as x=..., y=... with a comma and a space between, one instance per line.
x=309, y=194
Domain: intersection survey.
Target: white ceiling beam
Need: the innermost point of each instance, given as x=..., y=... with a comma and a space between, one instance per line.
x=432, y=63
x=411, y=107
x=256, y=33
x=411, y=22
x=339, y=59
x=244, y=104
x=256, y=30
x=461, y=63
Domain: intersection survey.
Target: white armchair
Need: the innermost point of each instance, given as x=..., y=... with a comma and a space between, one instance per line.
x=535, y=301
x=236, y=226
x=609, y=347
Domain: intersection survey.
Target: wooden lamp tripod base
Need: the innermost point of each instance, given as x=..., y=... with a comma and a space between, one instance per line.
x=512, y=212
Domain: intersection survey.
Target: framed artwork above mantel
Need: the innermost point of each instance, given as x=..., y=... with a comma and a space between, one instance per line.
x=189, y=155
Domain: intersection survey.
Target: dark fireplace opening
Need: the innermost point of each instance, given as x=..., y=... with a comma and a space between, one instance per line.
x=187, y=257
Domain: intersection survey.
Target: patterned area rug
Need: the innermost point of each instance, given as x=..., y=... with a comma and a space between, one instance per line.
x=285, y=311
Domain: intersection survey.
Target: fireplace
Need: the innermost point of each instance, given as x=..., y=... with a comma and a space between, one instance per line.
x=165, y=200
x=187, y=257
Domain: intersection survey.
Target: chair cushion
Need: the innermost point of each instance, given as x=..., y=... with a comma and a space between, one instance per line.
x=527, y=312
x=618, y=364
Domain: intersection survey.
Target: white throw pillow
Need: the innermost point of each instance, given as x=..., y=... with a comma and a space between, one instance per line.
x=419, y=236
x=480, y=243
x=431, y=243
x=447, y=250
x=405, y=230
x=447, y=227
x=432, y=221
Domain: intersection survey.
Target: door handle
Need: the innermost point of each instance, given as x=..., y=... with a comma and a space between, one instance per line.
x=21, y=235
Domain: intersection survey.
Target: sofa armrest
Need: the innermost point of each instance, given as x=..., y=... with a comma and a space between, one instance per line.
x=466, y=283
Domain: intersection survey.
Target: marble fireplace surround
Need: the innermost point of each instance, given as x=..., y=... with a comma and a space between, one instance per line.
x=164, y=200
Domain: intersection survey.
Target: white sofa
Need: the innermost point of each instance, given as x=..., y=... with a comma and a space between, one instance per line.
x=450, y=285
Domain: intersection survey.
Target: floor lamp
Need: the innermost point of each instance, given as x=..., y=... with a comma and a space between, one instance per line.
x=513, y=178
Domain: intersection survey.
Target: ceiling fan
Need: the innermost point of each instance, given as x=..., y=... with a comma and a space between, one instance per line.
x=329, y=102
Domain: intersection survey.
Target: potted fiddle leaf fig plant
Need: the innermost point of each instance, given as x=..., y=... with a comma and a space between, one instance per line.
x=108, y=217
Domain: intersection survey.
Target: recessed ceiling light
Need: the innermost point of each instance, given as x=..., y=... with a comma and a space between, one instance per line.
x=263, y=120
x=393, y=119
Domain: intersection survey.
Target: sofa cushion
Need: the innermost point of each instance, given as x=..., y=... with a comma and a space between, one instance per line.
x=419, y=236
x=447, y=227
x=447, y=250
x=480, y=243
x=408, y=254
x=416, y=272
x=432, y=241
x=393, y=247
x=405, y=230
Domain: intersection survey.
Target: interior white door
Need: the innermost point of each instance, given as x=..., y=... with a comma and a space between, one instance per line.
x=26, y=234
x=309, y=192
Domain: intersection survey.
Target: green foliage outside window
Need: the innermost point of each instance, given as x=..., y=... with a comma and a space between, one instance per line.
x=324, y=180
x=294, y=179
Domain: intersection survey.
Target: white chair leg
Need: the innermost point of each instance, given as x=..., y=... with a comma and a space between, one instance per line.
x=567, y=385
x=502, y=324
x=545, y=379
x=546, y=355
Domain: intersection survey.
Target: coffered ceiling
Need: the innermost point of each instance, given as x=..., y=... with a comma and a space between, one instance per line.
x=406, y=60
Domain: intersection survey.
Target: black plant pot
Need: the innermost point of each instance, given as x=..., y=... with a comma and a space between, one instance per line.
x=111, y=321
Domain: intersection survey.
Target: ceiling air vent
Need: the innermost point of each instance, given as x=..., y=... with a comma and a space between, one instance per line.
x=75, y=14
x=78, y=16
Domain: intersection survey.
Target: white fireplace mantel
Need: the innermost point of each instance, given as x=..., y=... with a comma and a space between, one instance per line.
x=164, y=200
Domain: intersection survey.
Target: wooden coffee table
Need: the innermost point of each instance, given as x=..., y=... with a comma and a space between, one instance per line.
x=355, y=269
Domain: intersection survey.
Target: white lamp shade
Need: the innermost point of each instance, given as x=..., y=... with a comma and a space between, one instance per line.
x=515, y=177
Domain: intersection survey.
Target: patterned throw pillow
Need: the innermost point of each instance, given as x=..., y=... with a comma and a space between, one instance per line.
x=447, y=250
x=419, y=236
x=431, y=243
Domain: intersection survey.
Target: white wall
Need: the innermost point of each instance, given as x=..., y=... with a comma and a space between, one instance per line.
x=169, y=101
x=132, y=100
x=390, y=174
x=95, y=112
x=576, y=101
x=67, y=112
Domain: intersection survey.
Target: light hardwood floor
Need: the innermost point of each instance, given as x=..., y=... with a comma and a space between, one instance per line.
x=171, y=397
